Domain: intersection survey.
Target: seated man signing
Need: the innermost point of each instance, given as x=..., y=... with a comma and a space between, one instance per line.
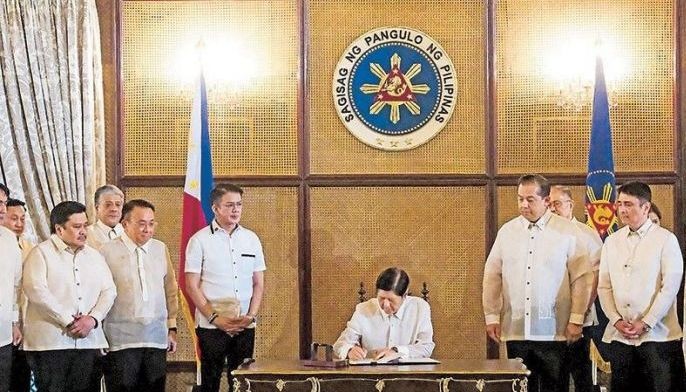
x=391, y=324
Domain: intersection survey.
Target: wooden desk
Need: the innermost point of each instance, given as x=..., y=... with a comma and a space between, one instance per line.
x=448, y=376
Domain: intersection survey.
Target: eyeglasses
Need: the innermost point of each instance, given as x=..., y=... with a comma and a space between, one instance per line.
x=145, y=225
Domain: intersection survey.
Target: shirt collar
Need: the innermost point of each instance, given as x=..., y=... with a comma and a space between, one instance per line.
x=7, y=232
x=61, y=245
x=131, y=246
x=643, y=230
x=118, y=228
x=540, y=223
x=216, y=227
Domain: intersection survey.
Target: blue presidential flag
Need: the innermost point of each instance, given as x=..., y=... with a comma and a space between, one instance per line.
x=601, y=193
x=600, y=181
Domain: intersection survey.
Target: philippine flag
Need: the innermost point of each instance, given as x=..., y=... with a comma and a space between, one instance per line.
x=197, y=212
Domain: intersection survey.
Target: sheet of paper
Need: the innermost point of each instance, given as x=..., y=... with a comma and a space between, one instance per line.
x=392, y=361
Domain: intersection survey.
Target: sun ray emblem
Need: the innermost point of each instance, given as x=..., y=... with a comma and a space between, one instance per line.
x=395, y=89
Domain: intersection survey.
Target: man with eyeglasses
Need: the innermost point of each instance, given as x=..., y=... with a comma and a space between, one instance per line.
x=641, y=268
x=108, y=208
x=10, y=287
x=580, y=366
x=225, y=280
x=141, y=326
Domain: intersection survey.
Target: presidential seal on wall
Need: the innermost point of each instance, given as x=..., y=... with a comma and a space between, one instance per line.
x=394, y=88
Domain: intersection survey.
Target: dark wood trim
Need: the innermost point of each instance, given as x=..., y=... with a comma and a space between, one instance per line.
x=304, y=248
x=490, y=96
x=305, y=270
x=491, y=211
x=397, y=180
x=119, y=142
x=491, y=137
x=303, y=96
x=580, y=179
x=107, y=17
x=679, y=149
x=320, y=180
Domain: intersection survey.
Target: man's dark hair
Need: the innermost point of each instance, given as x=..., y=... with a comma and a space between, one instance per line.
x=638, y=189
x=539, y=180
x=16, y=203
x=131, y=204
x=220, y=190
x=653, y=208
x=393, y=279
x=61, y=213
x=5, y=189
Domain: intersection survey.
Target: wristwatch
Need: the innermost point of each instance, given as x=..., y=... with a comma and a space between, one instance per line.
x=253, y=317
x=394, y=349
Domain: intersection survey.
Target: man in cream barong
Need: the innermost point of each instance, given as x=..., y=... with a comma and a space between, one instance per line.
x=141, y=327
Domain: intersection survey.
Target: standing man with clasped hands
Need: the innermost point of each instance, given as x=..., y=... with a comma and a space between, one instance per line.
x=641, y=269
x=69, y=289
x=225, y=265
x=141, y=327
x=537, y=286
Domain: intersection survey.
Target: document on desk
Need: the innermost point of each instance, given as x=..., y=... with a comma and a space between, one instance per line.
x=392, y=361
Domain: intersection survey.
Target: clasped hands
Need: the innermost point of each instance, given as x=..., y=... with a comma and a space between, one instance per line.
x=232, y=325
x=80, y=326
x=573, y=332
x=631, y=329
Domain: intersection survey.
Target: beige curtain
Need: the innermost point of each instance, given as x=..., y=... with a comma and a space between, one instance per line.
x=51, y=104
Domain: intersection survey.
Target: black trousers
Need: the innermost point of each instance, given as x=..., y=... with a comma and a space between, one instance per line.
x=579, y=361
x=21, y=373
x=218, y=348
x=546, y=361
x=136, y=369
x=652, y=366
x=66, y=370
x=5, y=366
